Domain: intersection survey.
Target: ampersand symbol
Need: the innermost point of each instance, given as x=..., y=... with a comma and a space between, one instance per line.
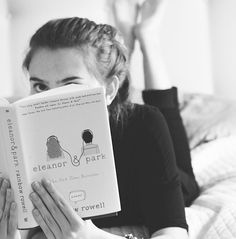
x=76, y=161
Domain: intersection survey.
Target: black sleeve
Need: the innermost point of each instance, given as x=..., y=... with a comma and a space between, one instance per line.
x=167, y=102
x=163, y=99
x=159, y=191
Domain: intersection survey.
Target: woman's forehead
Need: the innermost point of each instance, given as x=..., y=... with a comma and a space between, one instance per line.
x=57, y=63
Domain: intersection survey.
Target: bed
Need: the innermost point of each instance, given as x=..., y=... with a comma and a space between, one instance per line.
x=211, y=128
x=210, y=125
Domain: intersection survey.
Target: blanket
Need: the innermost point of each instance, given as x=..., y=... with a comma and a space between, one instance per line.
x=213, y=214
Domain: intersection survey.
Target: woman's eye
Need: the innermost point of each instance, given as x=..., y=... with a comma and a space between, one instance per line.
x=38, y=87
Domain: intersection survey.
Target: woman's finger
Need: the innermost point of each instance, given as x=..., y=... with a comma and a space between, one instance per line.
x=5, y=213
x=45, y=214
x=2, y=198
x=5, y=184
x=1, y=180
x=8, y=201
x=67, y=210
x=39, y=219
x=51, y=205
x=12, y=224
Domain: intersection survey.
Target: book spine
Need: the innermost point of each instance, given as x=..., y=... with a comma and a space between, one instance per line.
x=16, y=166
x=3, y=161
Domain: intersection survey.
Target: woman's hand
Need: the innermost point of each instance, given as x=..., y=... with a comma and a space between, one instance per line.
x=56, y=217
x=8, y=211
x=151, y=16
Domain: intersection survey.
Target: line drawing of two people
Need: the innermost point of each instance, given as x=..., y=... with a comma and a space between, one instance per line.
x=56, y=151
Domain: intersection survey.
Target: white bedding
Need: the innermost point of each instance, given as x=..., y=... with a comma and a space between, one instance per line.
x=213, y=213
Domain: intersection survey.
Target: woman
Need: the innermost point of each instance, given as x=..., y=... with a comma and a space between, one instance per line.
x=78, y=51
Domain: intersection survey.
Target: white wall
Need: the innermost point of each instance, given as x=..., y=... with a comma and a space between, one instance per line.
x=222, y=16
x=6, y=88
x=186, y=45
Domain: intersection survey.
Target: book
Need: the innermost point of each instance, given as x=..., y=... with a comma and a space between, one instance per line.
x=62, y=135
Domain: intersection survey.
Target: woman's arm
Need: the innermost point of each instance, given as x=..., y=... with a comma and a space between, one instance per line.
x=171, y=233
x=166, y=233
x=147, y=32
x=58, y=220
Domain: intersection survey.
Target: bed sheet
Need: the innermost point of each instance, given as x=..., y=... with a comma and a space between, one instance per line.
x=213, y=213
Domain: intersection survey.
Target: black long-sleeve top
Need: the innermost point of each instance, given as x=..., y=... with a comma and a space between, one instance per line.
x=149, y=184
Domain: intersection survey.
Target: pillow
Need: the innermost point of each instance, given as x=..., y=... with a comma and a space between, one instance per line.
x=207, y=117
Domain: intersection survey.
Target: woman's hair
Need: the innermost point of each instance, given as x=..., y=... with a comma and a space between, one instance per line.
x=102, y=47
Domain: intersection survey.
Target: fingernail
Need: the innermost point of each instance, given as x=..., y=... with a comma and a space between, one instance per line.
x=48, y=182
x=13, y=205
x=35, y=212
x=5, y=183
x=33, y=196
x=8, y=196
x=36, y=185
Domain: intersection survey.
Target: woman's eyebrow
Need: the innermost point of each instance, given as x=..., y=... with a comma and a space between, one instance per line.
x=37, y=79
x=69, y=79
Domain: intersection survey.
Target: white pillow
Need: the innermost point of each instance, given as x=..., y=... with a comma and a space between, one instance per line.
x=207, y=118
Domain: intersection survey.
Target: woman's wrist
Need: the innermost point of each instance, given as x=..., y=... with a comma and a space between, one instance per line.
x=101, y=234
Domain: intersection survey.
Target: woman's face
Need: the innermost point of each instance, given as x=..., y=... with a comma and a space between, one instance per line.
x=49, y=69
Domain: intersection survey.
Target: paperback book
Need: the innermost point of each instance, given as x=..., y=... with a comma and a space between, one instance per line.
x=62, y=135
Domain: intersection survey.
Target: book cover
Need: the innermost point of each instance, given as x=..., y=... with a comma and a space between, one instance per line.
x=64, y=136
